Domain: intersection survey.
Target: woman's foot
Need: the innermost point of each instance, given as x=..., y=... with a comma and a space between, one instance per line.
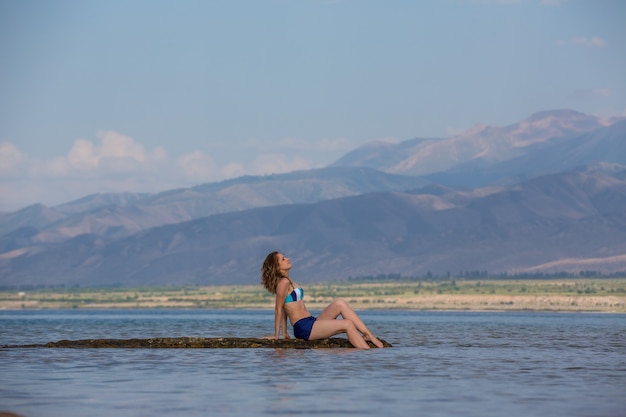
x=371, y=338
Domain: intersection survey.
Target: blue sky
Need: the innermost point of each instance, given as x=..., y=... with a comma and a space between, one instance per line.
x=148, y=95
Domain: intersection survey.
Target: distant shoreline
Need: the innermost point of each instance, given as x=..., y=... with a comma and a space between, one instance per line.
x=564, y=295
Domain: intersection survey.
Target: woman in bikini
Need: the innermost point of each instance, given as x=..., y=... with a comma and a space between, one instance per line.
x=275, y=278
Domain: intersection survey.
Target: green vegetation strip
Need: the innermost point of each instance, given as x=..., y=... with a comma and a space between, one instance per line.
x=589, y=294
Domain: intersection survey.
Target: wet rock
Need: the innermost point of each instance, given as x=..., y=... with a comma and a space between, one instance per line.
x=198, y=343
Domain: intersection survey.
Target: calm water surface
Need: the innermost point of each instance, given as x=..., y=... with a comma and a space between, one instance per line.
x=442, y=364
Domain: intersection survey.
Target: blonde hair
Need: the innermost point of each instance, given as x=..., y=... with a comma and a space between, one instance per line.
x=270, y=274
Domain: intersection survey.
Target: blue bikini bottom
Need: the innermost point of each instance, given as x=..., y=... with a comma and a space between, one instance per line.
x=302, y=328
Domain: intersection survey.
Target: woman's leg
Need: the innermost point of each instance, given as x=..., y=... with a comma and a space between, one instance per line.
x=340, y=307
x=324, y=328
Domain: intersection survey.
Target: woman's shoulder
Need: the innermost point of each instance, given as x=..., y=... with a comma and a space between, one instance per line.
x=284, y=281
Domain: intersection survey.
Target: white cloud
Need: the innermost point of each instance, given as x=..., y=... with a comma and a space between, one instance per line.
x=10, y=157
x=197, y=166
x=114, y=152
x=114, y=162
x=593, y=42
x=81, y=156
x=233, y=170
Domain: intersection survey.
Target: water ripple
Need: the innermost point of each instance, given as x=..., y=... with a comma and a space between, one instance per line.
x=442, y=364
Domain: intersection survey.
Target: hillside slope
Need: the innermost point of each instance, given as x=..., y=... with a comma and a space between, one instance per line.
x=485, y=155
x=119, y=215
x=576, y=215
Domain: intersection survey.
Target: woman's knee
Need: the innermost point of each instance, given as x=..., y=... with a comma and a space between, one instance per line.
x=340, y=302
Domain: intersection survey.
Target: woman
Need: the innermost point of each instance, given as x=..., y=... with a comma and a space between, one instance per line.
x=275, y=278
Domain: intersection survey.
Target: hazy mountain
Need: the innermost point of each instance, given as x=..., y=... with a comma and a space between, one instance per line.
x=118, y=215
x=607, y=144
x=383, y=155
x=571, y=221
x=354, y=220
x=480, y=147
x=546, y=142
x=97, y=201
x=36, y=216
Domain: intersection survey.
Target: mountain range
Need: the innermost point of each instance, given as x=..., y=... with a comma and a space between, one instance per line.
x=545, y=195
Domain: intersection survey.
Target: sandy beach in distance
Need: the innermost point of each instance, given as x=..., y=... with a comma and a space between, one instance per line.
x=587, y=295
x=499, y=303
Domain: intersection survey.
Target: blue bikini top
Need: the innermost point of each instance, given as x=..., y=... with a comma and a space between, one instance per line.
x=296, y=295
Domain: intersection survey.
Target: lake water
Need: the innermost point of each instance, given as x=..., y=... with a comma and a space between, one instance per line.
x=442, y=364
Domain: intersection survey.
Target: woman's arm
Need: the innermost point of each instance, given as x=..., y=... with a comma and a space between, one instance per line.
x=280, y=317
x=285, y=333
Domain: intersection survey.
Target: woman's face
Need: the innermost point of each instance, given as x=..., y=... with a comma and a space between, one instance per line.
x=283, y=262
